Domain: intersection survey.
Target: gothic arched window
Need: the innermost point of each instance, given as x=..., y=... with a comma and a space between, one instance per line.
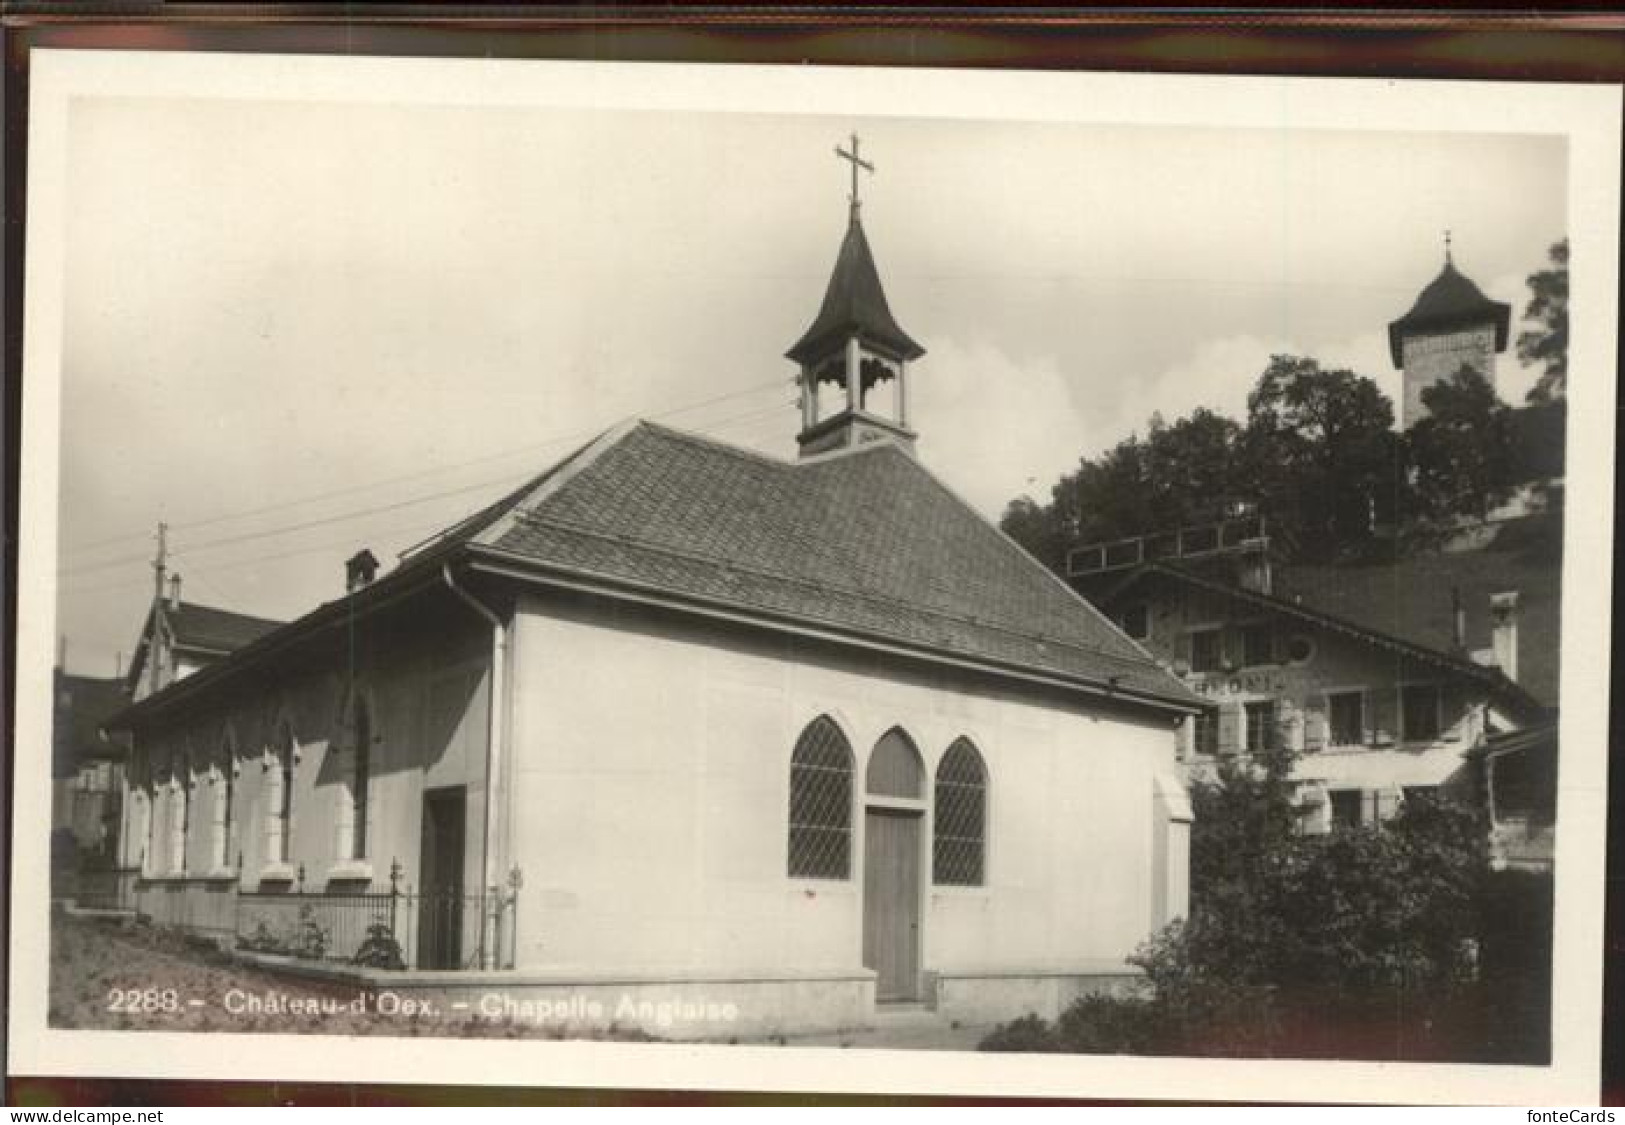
x=279, y=797
x=821, y=803
x=225, y=795
x=959, y=835
x=361, y=780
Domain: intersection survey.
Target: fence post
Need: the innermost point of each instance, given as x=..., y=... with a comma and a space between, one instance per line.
x=516, y=879
x=394, y=895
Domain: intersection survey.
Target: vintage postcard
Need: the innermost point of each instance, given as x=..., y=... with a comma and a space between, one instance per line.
x=797, y=579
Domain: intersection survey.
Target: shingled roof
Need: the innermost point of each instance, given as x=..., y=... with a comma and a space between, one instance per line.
x=1363, y=611
x=865, y=543
x=854, y=305
x=1450, y=300
x=215, y=630
x=1410, y=598
x=200, y=629
x=862, y=546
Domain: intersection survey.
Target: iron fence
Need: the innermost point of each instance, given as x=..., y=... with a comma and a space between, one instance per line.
x=315, y=926
x=397, y=928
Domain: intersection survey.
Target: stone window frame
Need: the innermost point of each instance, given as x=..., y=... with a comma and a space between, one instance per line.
x=985, y=785
x=1403, y=712
x=1243, y=628
x=1214, y=629
x=1364, y=692
x=1274, y=740
x=355, y=827
x=1141, y=609
x=804, y=772
x=224, y=826
x=279, y=799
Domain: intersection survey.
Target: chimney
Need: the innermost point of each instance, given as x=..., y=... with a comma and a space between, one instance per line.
x=360, y=570
x=1458, y=618
x=174, y=592
x=1504, y=631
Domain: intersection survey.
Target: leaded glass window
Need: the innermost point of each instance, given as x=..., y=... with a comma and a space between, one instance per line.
x=821, y=803
x=959, y=838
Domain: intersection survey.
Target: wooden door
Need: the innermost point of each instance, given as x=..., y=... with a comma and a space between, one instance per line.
x=891, y=902
x=440, y=895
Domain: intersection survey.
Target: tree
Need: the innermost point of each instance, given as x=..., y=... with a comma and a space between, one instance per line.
x=1321, y=453
x=1548, y=344
x=1317, y=456
x=1462, y=453
x=1033, y=526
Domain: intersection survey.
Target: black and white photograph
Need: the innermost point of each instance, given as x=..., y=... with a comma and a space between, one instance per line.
x=789, y=578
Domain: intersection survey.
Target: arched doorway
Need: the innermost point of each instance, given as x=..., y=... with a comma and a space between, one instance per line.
x=894, y=813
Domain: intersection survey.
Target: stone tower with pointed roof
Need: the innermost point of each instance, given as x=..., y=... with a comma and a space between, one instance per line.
x=1451, y=325
x=853, y=346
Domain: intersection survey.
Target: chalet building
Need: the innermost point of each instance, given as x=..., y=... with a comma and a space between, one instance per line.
x=179, y=638
x=87, y=778
x=682, y=722
x=1387, y=679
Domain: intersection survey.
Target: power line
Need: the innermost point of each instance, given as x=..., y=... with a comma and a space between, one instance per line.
x=362, y=513
x=419, y=473
x=94, y=567
x=375, y=510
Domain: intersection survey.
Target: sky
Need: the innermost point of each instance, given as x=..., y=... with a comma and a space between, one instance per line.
x=293, y=330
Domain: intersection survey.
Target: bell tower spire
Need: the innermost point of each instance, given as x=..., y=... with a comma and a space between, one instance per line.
x=854, y=345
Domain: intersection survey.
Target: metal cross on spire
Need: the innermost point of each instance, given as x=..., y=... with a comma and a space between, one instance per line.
x=857, y=162
x=1447, y=245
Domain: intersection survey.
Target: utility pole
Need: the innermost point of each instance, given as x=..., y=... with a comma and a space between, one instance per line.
x=155, y=642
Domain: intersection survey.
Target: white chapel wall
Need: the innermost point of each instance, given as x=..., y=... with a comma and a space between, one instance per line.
x=650, y=789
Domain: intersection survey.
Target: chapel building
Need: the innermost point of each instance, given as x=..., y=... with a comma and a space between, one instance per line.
x=680, y=721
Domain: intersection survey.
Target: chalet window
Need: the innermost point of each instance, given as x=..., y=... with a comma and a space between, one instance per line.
x=1347, y=807
x=821, y=803
x=1137, y=621
x=1261, y=726
x=1299, y=649
x=1207, y=650
x=1347, y=717
x=1205, y=732
x=1257, y=645
x=1419, y=712
x=959, y=827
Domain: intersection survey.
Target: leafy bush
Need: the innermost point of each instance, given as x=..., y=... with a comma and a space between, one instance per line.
x=1362, y=942
x=379, y=949
x=310, y=938
x=306, y=938
x=1029, y=1034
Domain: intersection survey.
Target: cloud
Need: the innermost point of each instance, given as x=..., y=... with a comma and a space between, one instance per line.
x=993, y=428
x=996, y=428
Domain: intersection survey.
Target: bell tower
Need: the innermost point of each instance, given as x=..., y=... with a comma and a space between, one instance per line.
x=853, y=346
x=1451, y=325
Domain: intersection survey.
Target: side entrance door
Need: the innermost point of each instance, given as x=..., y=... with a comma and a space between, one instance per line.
x=891, y=901
x=440, y=897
